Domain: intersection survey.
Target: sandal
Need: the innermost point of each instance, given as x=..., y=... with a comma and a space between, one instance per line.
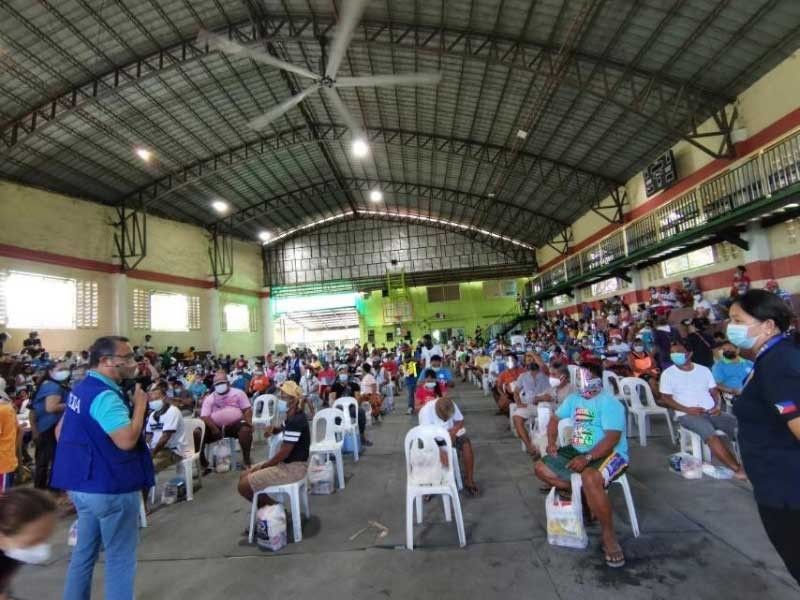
x=615, y=558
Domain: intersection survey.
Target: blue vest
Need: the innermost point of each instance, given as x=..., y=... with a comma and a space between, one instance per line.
x=87, y=460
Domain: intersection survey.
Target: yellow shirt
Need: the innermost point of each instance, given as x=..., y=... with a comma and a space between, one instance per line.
x=483, y=361
x=8, y=438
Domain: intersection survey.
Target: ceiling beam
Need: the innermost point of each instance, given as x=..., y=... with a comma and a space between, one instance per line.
x=678, y=101
x=573, y=181
x=505, y=245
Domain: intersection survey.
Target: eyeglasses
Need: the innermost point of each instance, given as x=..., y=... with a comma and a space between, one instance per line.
x=126, y=357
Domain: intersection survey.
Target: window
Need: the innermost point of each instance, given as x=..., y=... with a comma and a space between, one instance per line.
x=444, y=293
x=169, y=312
x=605, y=287
x=86, y=304
x=141, y=309
x=501, y=288
x=39, y=301
x=194, y=313
x=236, y=317
x=560, y=300
x=687, y=262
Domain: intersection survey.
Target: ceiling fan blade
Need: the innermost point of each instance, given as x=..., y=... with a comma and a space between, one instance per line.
x=276, y=111
x=348, y=20
x=226, y=46
x=390, y=80
x=345, y=114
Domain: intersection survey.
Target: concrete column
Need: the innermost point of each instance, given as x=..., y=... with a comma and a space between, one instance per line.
x=268, y=322
x=120, y=305
x=215, y=321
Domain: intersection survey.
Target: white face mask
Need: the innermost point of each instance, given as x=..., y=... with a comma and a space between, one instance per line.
x=555, y=382
x=221, y=388
x=430, y=384
x=60, y=375
x=33, y=555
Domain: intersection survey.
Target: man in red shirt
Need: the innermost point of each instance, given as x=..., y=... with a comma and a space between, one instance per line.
x=390, y=366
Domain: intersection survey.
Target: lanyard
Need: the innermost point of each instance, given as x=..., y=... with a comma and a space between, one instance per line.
x=771, y=343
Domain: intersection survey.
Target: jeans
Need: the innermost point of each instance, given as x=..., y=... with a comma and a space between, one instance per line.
x=110, y=520
x=411, y=386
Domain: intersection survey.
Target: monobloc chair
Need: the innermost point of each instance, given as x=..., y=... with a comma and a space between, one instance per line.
x=642, y=405
x=329, y=442
x=426, y=476
x=349, y=424
x=265, y=412
x=297, y=493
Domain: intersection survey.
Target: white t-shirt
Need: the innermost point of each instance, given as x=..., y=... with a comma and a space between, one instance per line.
x=690, y=388
x=428, y=416
x=435, y=350
x=171, y=420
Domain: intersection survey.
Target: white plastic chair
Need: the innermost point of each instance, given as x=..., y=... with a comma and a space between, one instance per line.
x=187, y=464
x=643, y=405
x=331, y=443
x=265, y=412
x=349, y=425
x=573, y=374
x=612, y=383
x=692, y=443
x=296, y=492
x=456, y=468
x=622, y=480
x=565, y=427
x=423, y=438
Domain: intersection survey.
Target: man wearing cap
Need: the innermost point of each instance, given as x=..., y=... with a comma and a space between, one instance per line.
x=598, y=451
x=290, y=462
x=444, y=413
x=227, y=413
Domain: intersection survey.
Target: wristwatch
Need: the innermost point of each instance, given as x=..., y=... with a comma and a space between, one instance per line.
x=588, y=456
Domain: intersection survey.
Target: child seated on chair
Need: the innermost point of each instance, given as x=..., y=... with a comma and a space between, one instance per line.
x=165, y=432
x=290, y=462
x=598, y=452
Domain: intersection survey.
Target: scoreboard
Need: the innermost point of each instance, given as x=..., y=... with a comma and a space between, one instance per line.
x=660, y=174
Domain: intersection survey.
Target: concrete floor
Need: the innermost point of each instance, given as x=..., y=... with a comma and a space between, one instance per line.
x=700, y=539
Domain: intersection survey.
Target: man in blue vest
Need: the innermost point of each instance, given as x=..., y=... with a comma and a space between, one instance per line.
x=103, y=462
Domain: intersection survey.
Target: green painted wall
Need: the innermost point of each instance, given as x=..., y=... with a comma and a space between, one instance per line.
x=472, y=310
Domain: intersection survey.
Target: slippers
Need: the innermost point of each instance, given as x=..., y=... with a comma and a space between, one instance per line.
x=614, y=559
x=472, y=490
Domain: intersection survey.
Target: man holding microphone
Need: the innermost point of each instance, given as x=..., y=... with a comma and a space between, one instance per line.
x=104, y=464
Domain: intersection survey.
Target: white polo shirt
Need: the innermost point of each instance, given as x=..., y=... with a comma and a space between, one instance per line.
x=690, y=388
x=428, y=416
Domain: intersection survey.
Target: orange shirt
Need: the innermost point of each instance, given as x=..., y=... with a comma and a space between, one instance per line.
x=259, y=384
x=8, y=438
x=508, y=376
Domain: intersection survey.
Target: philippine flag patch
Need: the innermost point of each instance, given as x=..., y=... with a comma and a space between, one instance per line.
x=786, y=408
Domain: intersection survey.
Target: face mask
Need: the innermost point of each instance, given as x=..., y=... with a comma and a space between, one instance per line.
x=591, y=387
x=156, y=405
x=638, y=348
x=343, y=378
x=554, y=381
x=34, y=555
x=737, y=334
x=430, y=384
x=435, y=369
x=60, y=375
x=677, y=358
x=221, y=388
x=510, y=363
x=282, y=406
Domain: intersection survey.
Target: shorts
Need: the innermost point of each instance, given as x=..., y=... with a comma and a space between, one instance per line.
x=706, y=425
x=610, y=467
x=228, y=431
x=526, y=412
x=280, y=474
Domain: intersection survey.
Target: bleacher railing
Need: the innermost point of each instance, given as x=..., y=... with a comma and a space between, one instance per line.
x=759, y=176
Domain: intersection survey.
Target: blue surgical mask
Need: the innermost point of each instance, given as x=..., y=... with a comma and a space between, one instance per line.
x=677, y=358
x=282, y=406
x=737, y=334
x=156, y=405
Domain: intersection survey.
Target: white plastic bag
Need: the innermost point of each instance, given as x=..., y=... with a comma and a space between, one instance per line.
x=687, y=465
x=717, y=472
x=271, y=528
x=222, y=456
x=565, y=518
x=321, y=476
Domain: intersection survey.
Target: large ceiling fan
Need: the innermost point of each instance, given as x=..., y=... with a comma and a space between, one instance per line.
x=327, y=82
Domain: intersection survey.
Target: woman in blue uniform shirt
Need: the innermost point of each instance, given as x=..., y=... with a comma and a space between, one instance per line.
x=768, y=411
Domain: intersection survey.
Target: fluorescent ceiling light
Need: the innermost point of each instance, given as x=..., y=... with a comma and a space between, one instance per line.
x=264, y=236
x=219, y=205
x=360, y=148
x=376, y=195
